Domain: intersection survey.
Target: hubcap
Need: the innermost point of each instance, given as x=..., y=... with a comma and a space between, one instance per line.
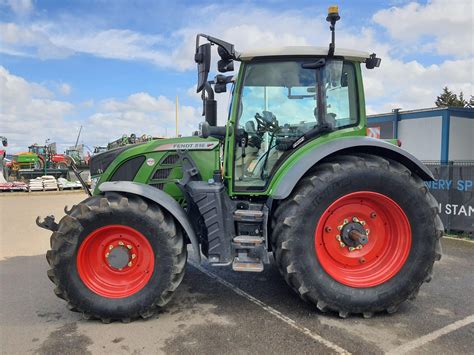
x=353, y=234
x=118, y=257
x=363, y=239
x=115, y=261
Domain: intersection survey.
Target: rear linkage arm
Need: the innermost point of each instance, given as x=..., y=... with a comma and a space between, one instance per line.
x=48, y=223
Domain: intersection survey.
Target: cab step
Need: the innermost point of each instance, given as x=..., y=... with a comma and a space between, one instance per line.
x=248, y=216
x=247, y=264
x=248, y=240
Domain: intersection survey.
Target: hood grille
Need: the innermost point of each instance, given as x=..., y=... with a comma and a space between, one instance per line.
x=162, y=174
x=170, y=159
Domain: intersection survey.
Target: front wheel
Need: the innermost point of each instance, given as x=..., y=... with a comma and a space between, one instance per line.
x=62, y=165
x=369, y=240
x=116, y=257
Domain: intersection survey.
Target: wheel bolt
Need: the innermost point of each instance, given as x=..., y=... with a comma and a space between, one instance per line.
x=129, y=246
x=130, y=264
x=346, y=221
x=339, y=227
x=342, y=244
x=367, y=231
x=355, y=219
x=133, y=256
x=362, y=260
x=359, y=247
x=373, y=215
x=107, y=255
x=338, y=237
x=351, y=248
x=111, y=247
x=362, y=223
x=328, y=229
x=121, y=243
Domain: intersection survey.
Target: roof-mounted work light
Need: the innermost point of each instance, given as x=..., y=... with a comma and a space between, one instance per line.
x=333, y=17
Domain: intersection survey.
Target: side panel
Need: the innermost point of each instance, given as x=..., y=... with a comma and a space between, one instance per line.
x=421, y=137
x=162, y=199
x=155, y=155
x=461, y=144
x=288, y=175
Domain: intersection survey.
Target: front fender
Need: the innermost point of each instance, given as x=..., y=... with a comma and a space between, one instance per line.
x=289, y=174
x=161, y=198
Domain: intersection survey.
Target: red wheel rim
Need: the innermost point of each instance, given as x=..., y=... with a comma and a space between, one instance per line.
x=115, y=261
x=388, y=246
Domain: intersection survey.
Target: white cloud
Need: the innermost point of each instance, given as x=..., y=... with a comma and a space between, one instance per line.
x=436, y=26
x=412, y=85
x=20, y=7
x=31, y=114
x=87, y=104
x=29, y=42
x=441, y=26
x=114, y=43
x=143, y=113
x=65, y=88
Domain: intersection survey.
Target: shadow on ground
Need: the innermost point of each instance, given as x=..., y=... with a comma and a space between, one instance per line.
x=206, y=317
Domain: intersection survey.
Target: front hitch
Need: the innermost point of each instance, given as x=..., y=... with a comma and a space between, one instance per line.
x=48, y=223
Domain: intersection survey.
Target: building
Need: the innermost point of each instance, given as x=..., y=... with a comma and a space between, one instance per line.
x=435, y=134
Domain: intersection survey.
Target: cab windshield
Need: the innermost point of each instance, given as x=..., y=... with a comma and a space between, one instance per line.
x=281, y=101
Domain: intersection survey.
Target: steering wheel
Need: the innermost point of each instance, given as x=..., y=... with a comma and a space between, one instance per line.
x=266, y=122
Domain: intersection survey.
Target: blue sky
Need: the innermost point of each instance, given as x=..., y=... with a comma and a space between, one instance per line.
x=115, y=67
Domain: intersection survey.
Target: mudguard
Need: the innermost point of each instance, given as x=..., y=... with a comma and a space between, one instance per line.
x=349, y=145
x=161, y=198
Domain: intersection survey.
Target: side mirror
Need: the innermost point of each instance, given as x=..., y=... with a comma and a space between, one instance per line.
x=226, y=63
x=221, y=82
x=203, y=60
x=372, y=62
x=220, y=88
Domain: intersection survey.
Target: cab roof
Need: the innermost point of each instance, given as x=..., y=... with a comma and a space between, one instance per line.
x=295, y=51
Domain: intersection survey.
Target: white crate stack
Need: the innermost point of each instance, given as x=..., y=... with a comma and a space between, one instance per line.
x=43, y=183
x=36, y=184
x=66, y=184
x=49, y=182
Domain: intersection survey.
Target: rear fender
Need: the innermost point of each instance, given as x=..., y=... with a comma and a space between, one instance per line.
x=162, y=199
x=289, y=177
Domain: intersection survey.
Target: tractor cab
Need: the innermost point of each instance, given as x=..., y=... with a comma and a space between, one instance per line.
x=282, y=99
x=38, y=149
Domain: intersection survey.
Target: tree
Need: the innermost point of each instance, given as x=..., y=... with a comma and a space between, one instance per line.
x=449, y=98
x=470, y=104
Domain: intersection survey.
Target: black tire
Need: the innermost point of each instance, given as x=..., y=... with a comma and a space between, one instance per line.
x=62, y=166
x=39, y=164
x=158, y=227
x=294, y=246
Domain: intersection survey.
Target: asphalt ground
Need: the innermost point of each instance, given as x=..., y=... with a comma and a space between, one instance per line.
x=218, y=311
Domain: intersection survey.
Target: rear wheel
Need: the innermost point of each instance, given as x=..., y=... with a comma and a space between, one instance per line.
x=62, y=165
x=116, y=257
x=369, y=240
x=39, y=164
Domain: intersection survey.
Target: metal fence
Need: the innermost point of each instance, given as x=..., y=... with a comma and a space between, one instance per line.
x=454, y=190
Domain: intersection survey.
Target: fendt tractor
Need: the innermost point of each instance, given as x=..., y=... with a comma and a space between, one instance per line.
x=351, y=225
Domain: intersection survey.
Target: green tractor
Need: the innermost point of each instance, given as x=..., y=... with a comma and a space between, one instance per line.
x=351, y=225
